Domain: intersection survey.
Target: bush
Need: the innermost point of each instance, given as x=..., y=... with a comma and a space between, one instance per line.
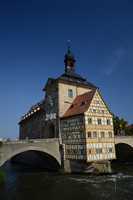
x=2, y=177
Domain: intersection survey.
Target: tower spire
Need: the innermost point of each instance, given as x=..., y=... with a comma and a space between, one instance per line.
x=69, y=60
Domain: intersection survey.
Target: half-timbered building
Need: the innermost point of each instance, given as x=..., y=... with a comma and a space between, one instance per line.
x=74, y=111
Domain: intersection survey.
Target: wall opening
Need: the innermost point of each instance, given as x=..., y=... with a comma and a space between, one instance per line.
x=51, y=130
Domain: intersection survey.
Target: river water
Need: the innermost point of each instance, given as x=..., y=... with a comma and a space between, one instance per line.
x=27, y=184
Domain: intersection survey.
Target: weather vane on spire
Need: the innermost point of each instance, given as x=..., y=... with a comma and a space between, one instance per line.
x=68, y=44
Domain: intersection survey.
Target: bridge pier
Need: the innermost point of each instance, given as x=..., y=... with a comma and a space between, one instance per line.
x=73, y=166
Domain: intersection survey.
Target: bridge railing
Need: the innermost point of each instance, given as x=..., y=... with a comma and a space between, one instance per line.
x=31, y=141
x=124, y=137
x=50, y=140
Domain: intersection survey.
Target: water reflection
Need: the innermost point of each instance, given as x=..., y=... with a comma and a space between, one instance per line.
x=24, y=184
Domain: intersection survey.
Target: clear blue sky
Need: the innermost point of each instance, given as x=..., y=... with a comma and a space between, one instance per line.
x=33, y=35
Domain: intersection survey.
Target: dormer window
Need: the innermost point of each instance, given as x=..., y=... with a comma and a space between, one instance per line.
x=82, y=103
x=70, y=93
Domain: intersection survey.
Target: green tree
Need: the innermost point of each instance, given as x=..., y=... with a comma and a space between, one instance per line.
x=129, y=130
x=120, y=126
x=116, y=122
x=123, y=126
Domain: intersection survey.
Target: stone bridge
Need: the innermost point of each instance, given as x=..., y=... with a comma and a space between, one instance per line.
x=10, y=149
x=49, y=146
x=124, y=140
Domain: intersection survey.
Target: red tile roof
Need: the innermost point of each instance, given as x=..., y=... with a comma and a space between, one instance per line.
x=130, y=126
x=80, y=104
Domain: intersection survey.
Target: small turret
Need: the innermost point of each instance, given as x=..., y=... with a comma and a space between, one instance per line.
x=69, y=61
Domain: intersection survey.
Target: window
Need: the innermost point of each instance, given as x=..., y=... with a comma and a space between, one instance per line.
x=98, y=151
x=89, y=121
x=102, y=134
x=82, y=151
x=108, y=122
x=94, y=110
x=70, y=93
x=94, y=134
x=89, y=151
x=97, y=102
x=110, y=134
x=110, y=150
x=89, y=134
x=99, y=121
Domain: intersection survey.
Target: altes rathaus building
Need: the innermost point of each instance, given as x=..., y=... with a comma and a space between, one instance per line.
x=74, y=111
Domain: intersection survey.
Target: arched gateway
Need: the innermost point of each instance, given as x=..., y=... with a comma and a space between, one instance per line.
x=11, y=149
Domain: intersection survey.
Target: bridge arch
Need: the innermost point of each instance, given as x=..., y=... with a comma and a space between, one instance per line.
x=47, y=147
x=124, y=139
x=35, y=153
x=124, y=152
